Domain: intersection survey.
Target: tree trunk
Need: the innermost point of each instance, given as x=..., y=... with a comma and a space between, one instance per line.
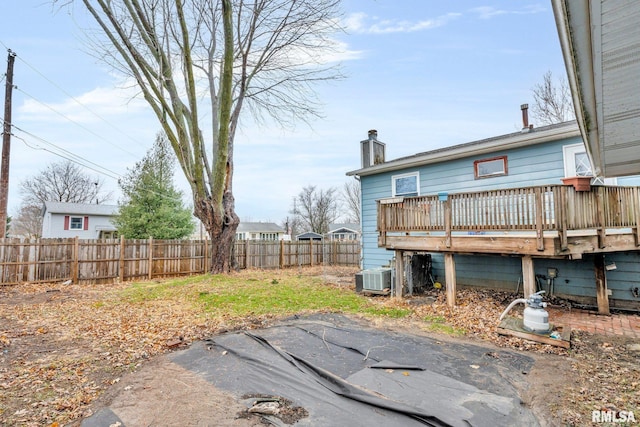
x=221, y=227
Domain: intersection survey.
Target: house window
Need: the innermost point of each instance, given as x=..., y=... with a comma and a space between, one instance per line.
x=406, y=184
x=576, y=163
x=487, y=168
x=76, y=223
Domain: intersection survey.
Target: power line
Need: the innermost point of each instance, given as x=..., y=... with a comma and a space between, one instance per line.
x=75, y=122
x=65, y=154
x=68, y=154
x=80, y=161
x=81, y=105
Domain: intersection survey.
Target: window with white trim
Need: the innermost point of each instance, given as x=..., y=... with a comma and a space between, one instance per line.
x=576, y=163
x=76, y=223
x=406, y=185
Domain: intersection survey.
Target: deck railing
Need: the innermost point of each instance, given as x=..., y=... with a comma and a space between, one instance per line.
x=551, y=207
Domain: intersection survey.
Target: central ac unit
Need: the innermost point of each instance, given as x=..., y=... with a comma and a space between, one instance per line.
x=376, y=279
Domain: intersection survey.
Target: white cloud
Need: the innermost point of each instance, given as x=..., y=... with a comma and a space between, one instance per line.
x=89, y=107
x=488, y=12
x=354, y=23
x=358, y=23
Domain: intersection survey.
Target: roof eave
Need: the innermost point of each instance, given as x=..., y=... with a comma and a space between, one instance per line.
x=573, y=21
x=465, y=150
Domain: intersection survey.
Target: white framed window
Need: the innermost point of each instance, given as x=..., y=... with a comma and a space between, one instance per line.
x=576, y=163
x=76, y=223
x=406, y=185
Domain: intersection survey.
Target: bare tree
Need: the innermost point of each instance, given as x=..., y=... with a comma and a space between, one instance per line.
x=62, y=182
x=552, y=101
x=292, y=225
x=351, y=197
x=316, y=209
x=263, y=53
x=28, y=222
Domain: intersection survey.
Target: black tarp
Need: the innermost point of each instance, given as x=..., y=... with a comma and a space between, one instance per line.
x=346, y=373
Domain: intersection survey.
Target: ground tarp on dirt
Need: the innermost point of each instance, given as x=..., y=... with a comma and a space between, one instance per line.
x=344, y=373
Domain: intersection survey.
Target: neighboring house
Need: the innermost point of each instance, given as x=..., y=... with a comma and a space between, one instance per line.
x=346, y=231
x=86, y=221
x=495, y=213
x=259, y=231
x=309, y=235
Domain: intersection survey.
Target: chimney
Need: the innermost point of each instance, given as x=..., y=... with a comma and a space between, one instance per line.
x=526, y=127
x=372, y=150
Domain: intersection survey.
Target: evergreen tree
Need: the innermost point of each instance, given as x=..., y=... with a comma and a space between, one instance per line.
x=153, y=207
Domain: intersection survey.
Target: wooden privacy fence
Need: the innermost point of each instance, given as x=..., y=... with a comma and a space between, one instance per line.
x=99, y=261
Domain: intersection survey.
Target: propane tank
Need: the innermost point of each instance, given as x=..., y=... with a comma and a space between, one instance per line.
x=536, y=318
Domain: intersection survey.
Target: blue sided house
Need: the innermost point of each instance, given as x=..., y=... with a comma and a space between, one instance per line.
x=520, y=211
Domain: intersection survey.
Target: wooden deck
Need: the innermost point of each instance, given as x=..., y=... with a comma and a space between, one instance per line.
x=552, y=221
x=546, y=221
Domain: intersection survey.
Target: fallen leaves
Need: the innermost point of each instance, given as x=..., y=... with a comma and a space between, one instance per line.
x=63, y=349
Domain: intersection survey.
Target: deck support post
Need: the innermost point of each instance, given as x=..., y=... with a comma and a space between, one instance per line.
x=399, y=273
x=528, y=276
x=602, y=294
x=450, y=278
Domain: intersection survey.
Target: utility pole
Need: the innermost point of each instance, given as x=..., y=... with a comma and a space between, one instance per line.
x=6, y=146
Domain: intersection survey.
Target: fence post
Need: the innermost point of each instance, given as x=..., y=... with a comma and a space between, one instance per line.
x=311, y=252
x=121, y=262
x=150, y=258
x=76, y=254
x=281, y=254
x=205, y=264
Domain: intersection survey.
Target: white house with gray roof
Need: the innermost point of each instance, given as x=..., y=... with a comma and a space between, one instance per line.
x=259, y=231
x=82, y=220
x=346, y=231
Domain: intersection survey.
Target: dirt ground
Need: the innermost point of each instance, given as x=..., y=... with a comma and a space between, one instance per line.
x=68, y=351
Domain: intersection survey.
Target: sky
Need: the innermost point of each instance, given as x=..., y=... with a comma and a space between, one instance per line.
x=425, y=74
